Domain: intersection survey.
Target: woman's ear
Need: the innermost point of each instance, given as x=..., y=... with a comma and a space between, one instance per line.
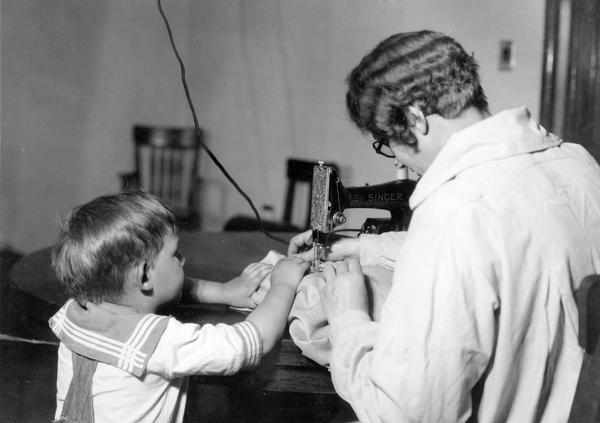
x=417, y=121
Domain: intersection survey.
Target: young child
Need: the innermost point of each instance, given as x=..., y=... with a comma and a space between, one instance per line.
x=118, y=259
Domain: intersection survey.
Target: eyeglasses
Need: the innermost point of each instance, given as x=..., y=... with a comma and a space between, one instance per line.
x=180, y=258
x=383, y=148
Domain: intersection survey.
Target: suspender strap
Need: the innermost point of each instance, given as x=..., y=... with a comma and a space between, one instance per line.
x=78, y=406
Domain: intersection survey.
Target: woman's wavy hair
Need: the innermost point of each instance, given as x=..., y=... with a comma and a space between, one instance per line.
x=426, y=69
x=101, y=241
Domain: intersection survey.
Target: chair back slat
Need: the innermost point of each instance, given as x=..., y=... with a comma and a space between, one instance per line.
x=145, y=167
x=173, y=179
x=186, y=165
x=166, y=186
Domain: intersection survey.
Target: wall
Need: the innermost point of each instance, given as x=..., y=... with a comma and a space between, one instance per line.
x=266, y=77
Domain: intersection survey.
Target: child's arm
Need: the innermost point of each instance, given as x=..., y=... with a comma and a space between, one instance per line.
x=236, y=292
x=270, y=317
x=189, y=348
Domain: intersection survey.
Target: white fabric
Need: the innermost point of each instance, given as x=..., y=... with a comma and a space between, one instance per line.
x=506, y=223
x=308, y=326
x=271, y=258
x=160, y=394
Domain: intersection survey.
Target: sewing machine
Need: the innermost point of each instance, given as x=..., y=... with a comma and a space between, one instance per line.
x=329, y=199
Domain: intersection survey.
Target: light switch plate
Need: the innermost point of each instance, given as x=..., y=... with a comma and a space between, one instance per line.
x=507, y=55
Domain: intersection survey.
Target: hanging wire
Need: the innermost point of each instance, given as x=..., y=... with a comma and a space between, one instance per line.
x=197, y=127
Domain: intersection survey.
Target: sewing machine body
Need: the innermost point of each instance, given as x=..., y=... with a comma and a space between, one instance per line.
x=329, y=199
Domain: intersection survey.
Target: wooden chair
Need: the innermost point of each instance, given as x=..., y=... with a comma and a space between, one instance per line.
x=166, y=165
x=586, y=402
x=298, y=172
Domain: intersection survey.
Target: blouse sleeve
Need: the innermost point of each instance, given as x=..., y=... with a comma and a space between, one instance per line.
x=431, y=345
x=380, y=249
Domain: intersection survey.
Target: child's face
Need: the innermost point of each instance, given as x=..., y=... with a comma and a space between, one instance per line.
x=168, y=273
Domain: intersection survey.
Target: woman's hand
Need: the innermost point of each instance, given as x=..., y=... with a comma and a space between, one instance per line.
x=237, y=292
x=344, y=288
x=300, y=245
x=337, y=247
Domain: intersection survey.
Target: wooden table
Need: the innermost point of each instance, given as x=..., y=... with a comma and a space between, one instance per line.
x=284, y=380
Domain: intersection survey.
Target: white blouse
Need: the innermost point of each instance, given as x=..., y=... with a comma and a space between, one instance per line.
x=506, y=224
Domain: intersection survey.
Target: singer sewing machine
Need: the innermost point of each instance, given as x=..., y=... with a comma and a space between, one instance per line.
x=329, y=199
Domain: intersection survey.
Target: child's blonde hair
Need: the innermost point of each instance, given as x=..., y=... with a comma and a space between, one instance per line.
x=101, y=241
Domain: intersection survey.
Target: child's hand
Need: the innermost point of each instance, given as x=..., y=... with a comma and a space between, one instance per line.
x=289, y=271
x=237, y=291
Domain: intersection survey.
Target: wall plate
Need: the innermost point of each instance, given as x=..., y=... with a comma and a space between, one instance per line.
x=507, y=55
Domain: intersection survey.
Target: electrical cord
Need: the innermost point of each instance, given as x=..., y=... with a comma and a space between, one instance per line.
x=197, y=128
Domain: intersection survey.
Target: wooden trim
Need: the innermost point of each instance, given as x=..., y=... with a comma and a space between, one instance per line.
x=550, y=63
x=583, y=86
